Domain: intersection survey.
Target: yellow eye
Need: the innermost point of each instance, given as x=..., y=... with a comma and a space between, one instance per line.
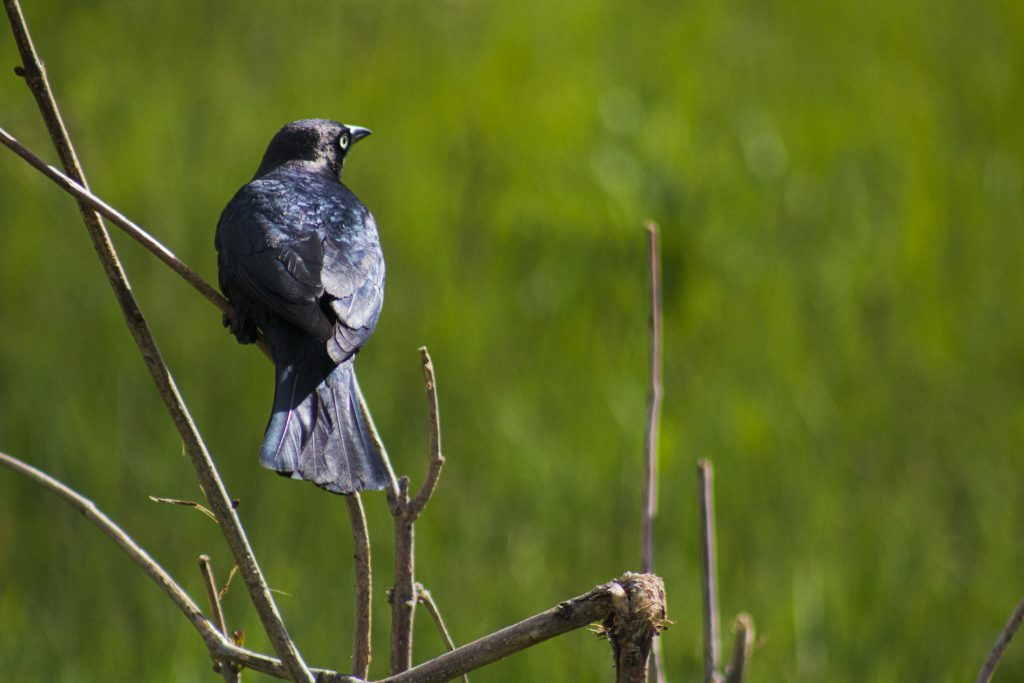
x=343, y=141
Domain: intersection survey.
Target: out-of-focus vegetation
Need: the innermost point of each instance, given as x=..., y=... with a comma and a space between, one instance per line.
x=841, y=190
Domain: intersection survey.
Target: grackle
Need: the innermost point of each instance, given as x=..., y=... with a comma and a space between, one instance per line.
x=299, y=259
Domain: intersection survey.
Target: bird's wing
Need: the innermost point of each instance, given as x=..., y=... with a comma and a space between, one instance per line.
x=352, y=275
x=270, y=254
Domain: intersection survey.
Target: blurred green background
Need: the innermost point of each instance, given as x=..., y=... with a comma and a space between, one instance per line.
x=840, y=187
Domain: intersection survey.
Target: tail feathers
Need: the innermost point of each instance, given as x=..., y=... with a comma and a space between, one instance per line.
x=319, y=433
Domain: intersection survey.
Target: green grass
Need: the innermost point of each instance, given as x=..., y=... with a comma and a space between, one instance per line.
x=841, y=191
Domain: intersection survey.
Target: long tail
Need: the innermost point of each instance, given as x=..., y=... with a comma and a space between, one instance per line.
x=317, y=430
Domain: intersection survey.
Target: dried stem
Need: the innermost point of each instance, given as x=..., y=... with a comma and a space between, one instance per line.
x=650, y=501
x=361, y=643
x=35, y=76
x=405, y=512
x=744, y=628
x=1005, y=636
x=228, y=671
x=653, y=406
x=403, y=592
x=708, y=583
x=436, y=457
x=211, y=593
x=424, y=598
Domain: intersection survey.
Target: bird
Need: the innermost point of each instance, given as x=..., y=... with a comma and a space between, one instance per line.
x=299, y=259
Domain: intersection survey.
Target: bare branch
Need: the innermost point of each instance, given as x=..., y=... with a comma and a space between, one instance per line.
x=213, y=487
x=1005, y=636
x=653, y=405
x=229, y=672
x=361, y=644
x=436, y=457
x=211, y=593
x=424, y=598
x=403, y=592
x=744, y=628
x=566, y=616
x=405, y=513
x=708, y=582
x=650, y=500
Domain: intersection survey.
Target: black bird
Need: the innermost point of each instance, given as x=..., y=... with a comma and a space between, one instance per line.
x=299, y=259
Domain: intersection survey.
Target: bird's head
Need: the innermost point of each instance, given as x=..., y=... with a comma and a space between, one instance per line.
x=320, y=141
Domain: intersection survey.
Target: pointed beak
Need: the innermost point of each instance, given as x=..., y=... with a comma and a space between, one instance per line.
x=358, y=132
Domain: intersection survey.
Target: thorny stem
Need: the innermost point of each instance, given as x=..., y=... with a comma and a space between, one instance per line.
x=35, y=76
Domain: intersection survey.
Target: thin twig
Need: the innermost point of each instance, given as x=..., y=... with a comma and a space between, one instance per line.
x=436, y=457
x=650, y=501
x=708, y=582
x=228, y=671
x=424, y=598
x=165, y=255
x=744, y=627
x=211, y=593
x=564, y=617
x=653, y=405
x=213, y=487
x=1005, y=636
x=227, y=582
x=184, y=503
x=405, y=512
x=361, y=643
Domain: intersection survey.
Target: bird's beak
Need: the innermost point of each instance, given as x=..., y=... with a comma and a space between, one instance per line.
x=358, y=132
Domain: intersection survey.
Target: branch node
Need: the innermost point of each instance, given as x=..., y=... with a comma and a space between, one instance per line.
x=639, y=614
